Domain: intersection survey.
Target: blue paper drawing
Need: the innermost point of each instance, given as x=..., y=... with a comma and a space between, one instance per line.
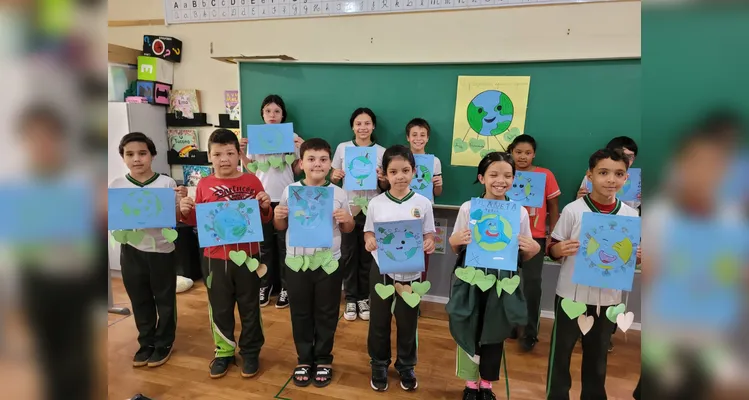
x=422, y=180
x=494, y=226
x=270, y=138
x=311, y=216
x=400, y=246
x=528, y=189
x=194, y=173
x=140, y=208
x=632, y=187
x=228, y=222
x=606, y=257
x=360, y=168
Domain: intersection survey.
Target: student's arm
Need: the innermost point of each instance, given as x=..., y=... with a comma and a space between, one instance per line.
x=553, y=208
x=243, y=153
x=382, y=181
x=552, y=193
x=437, y=178
x=528, y=246
x=562, y=244
x=281, y=212
x=263, y=199
x=337, y=173
x=187, y=206
x=583, y=190
x=296, y=166
x=461, y=234
x=342, y=214
x=427, y=226
x=370, y=243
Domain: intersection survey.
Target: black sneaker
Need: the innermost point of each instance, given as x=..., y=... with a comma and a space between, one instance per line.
x=408, y=380
x=486, y=394
x=220, y=366
x=527, y=343
x=513, y=334
x=283, y=299
x=160, y=356
x=470, y=394
x=379, y=380
x=265, y=295
x=142, y=355
x=250, y=366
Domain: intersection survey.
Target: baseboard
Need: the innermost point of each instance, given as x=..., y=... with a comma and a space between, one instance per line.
x=435, y=299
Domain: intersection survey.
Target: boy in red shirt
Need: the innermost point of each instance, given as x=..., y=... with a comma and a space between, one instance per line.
x=523, y=151
x=230, y=283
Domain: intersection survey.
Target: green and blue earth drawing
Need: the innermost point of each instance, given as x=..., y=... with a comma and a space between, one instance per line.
x=490, y=113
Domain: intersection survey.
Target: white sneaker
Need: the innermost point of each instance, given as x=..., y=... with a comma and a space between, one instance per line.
x=183, y=284
x=363, y=309
x=350, y=313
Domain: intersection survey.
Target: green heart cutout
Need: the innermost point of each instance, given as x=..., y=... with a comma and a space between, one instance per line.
x=294, y=262
x=364, y=209
x=169, y=234
x=252, y=167
x=573, y=309
x=412, y=299
x=384, y=291
x=135, y=237
x=466, y=274
x=421, y=288
x=289, y=158
x=305, y=266
x=486, y=151
x=275, y=161
x=613, y=311
x=459, y=146
x=263, y=166
x=485, y=282
x=238, y=257
x=324, y=256
x=499, y=289
x=252, y=264
x=209, y=280
x=476, y=145
x=314, y=262
x=509, y=285
x=330, y=267
x=120, y=236
x=511, y=134
x=360, y=201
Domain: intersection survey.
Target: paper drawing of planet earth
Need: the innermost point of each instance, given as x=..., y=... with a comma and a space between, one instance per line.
x=490, y=113
x=422, y=178
x=624, y=188
x=308, y=210
x=492, y=232
x=609, y=249
x=360, y=168
x=229, y=225
x=272, y=140
x=521, y=189
x=141, y=206
x=400, y=245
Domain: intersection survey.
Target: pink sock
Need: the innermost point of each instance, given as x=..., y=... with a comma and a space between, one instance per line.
x=472, y=385
x=485, y=384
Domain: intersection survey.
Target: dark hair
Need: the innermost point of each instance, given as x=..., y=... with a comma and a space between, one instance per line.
x=622, y=142
x=420, y=122
x=397, y=151
x=719, y=127
x=46, y=115
x=223, y=136
x=491, y=158
x=277, y=100
x=522, y=139
x=137, y=137
x=314, y=144
x=606, y=153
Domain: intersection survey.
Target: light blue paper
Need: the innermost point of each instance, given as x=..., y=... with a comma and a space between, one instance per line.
x=228, y=222
x=494, y=225
x=422, y=181
x=528, y=189
x=311, y=216
x=270, y=138
x=632, y=187
x=607, y=254
x=360, y=168
x=140, y=208
x=400, y=246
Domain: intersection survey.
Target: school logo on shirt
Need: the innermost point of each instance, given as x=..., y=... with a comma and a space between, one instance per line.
x=415, y=213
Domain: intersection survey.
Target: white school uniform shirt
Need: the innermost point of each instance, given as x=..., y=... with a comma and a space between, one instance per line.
x=568, y=228
x=162, y=245
x=274, y=180
x=464, y=217
x=632, y=203
x=386, y=208
x=340, y=200
x=339, y=160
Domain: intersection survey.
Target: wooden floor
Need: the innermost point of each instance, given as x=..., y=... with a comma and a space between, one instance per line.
x=185, y=376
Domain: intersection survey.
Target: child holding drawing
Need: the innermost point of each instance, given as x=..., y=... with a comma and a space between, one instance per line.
x=228, y=283
x=399, y=203
x=314, y=294
x=356, y=261
x=274, y=180
x=496, y=172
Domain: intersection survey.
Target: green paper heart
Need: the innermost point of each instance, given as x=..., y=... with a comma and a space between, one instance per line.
x=238, y=257
x=466, y=274
x=364, y=210
x=485, y=282
x=324, y=256
x=499, y=289
x=613, y=311
x=275, y=161
x=384, y=291
x=135, y=237
x=459, y=146
x=120, y=236
x=252, y=167
x=573, y=309
x=421, y=288
x=330, y=267
x=476, y=145
x=486, y=151
x=209, y=280
x=263, y=166
x=294, y=262
x=412, y=299
x=252, y=264
x=314, y=262
x=169, y=234
x=289, y=158
x=305, y=266
x=509, y=285
x=360, y=201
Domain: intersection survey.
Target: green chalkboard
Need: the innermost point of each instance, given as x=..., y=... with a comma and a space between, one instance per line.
x=574, y=108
